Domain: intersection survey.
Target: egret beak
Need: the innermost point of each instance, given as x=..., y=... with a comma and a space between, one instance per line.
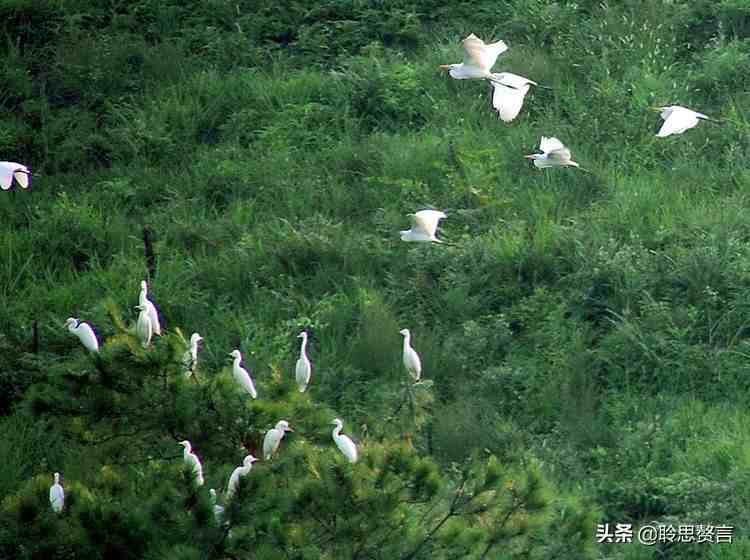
x=531, y=156
x=289, y=429
x=445, y=67
x=657, y=109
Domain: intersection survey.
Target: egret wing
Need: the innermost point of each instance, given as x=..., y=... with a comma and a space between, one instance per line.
x=678, y=121
x=6, y=177
x=508, y=101
x=512, y=80
x=426, y=221
x=549, y=144
x=559, y=156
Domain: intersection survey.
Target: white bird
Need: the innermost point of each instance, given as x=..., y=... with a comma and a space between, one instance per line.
x=143, y=326
x=10, y=170
x=84, y=332
x=190, y=358
x=150, y=308
x=677, y=120
x=509, y=91
x=192, y=461
x=424, y=226
x=555, y=154
x=344, y=443
x=234, y=479
x=241, y=374
x=273, y=438
x=57, y=495
x=479, y=58
x=303, y=369
x=218, y=510
x=412, y=362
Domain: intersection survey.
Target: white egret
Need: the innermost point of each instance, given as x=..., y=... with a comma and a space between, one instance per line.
x=677, y=120
x=57, y=495
x=143, y=326
x=10, y=170
x=424, y=226
x=84, y=332
x=344, y=443
x=190, y=358
x=509, y=91
x=412, y=362
x=241, y=374
x=234, y=479
x=479, y=58
x=192, y=461
x=273, y=438
x=218, y=510
x=153, y=316
x=555, y=154
x=303, y=369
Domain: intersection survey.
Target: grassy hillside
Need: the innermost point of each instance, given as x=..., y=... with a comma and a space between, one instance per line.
x=592, y=324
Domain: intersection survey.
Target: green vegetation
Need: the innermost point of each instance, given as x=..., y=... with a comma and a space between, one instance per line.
x=586, y=340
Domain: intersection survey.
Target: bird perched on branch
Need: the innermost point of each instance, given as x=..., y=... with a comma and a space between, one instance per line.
x=344, y=443
x=84, y=332
x=273, y=438
x=57, y=495
x=303, y=369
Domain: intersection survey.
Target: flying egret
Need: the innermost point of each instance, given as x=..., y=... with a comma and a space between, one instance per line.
x=192, y=461
x=143, y=326
x=10, y=170
x=153, y=316
x=303, y=369
x=479, y=58
x=677, y=120
x=273, y=438
x=218, y=510
x=84, y=332
x=241, y=374
x=509, y=91
x=344, y=443
x=57, y=495
x=190, y=358
x=234, y=479
x=412, y=362
x=424, y=226
x=555, y=154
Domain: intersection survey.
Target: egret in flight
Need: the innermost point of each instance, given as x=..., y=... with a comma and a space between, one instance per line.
x=509, y=91
x=424, y=226
x=241, y=375
x=192, y=461
x=412, y=362
x=479, y=58
x=677, y=120
x=10, y=170
x=153, y=316
x=57, y=495
x=303, y=369
x=234, y=479
x=84, y=332
x=555, y=154
x=190, y=358
x=273, y=438
x=344, y=443
x=143, y=326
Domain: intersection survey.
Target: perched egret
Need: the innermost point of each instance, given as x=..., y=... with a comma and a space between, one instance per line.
x=234, y=479
x=479, y=58
x=303, y=369
x=677, y=120
x=84, y=332
x=273, y=438
x=143, y=326
x=344, y=443
x=153, y=316
x=411, y=359
x=509, y=93
x=218, y=510
x=555, y=154
x=57, y=495
x=190, y=358
x=10, y=170
x=192, y=461
x=424, y=226
x=241, y=375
